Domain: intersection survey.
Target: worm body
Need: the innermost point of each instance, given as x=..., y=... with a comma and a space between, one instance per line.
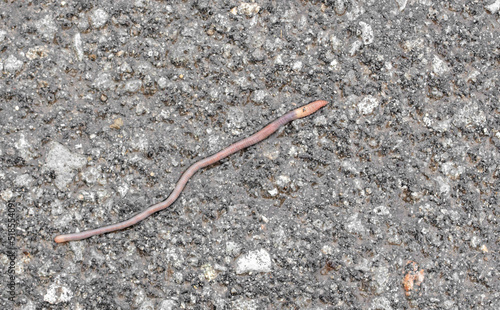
x=265, y=132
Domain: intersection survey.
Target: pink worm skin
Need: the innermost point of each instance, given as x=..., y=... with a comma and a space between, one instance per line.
x=265, y=132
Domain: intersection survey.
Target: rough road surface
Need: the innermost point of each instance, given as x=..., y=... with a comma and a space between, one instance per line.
x=387, y=198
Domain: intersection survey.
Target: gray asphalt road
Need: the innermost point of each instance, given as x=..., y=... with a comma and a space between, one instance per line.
x=387, y=198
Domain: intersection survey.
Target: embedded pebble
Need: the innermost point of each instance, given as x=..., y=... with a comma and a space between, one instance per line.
x=493, y=7
x=58, y=293
x=366, y=33
x=168, y=304
x=99, y=18
x=46, y=27
x=63, y=162
x=248, y=9
x=12, y=64
x=133, y=86
x=254, y=261
x=439, y=66
x=367, y=105
x=77, y=44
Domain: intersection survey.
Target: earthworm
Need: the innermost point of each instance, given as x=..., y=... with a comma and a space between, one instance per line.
x=253, y=139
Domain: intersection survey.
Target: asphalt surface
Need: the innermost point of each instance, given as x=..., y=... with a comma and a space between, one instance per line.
x=387, y=198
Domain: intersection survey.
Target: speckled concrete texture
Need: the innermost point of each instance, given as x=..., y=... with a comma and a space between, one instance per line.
x=387, y=198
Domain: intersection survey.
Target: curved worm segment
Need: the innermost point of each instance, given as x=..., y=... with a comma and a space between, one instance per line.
x=255, y=138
